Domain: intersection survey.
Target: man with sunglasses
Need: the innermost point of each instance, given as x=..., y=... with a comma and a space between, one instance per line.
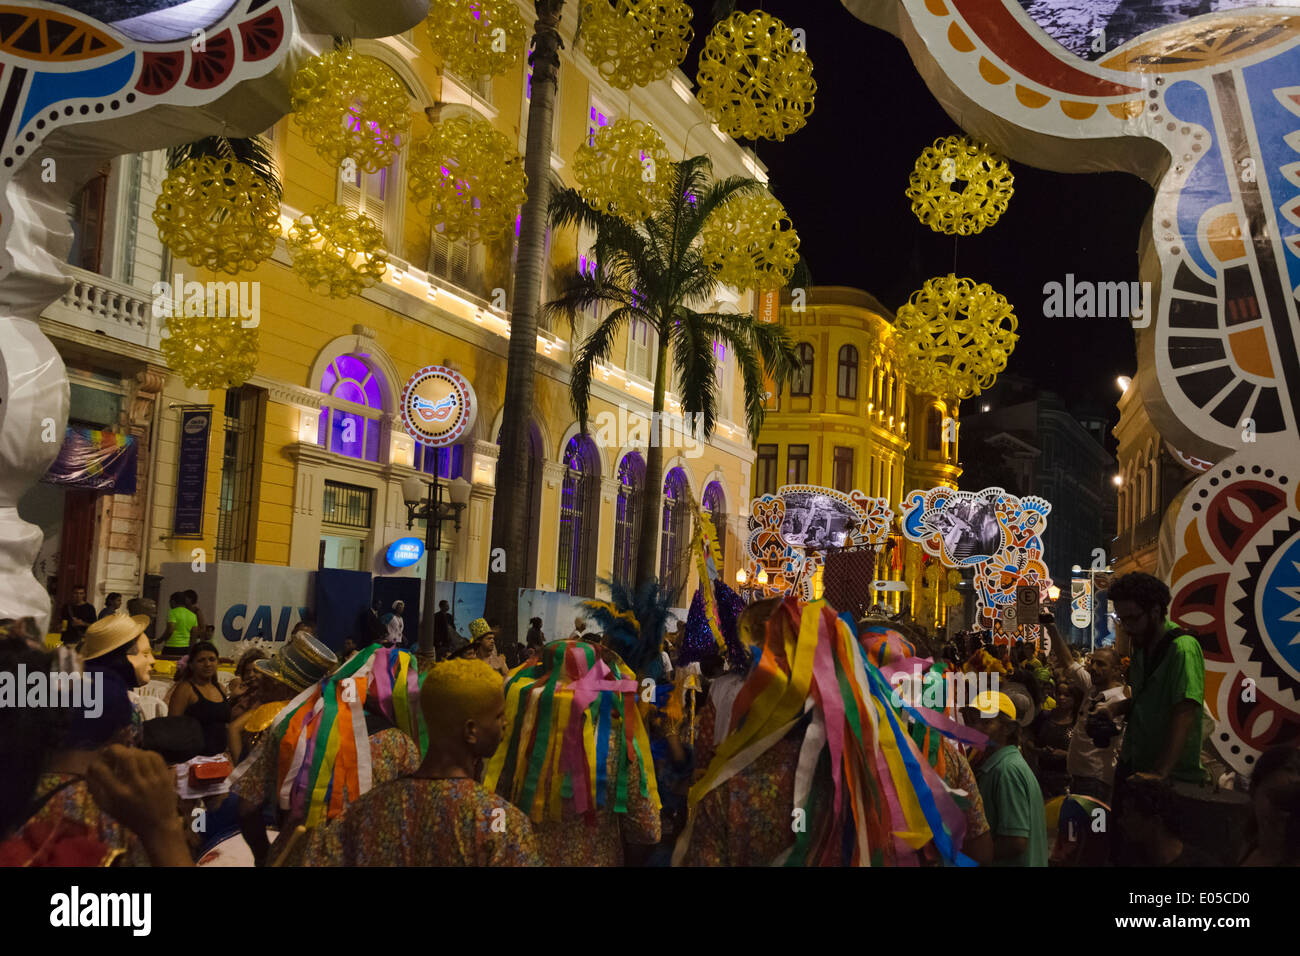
x=1162, y=739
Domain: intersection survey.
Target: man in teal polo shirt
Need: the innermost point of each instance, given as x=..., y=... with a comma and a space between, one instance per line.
x=1166, y=676
x=1013, y=801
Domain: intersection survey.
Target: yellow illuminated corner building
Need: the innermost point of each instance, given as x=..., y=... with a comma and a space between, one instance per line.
x=305, y=461
x=848, y=420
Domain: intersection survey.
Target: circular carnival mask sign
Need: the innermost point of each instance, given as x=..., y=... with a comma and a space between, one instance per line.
x=438, y=406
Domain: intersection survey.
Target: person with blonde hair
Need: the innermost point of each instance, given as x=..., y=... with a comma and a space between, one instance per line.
x=439, y=815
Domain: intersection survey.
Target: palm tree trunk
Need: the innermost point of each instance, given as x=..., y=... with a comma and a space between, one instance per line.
x=647, y=548
x=509, y=532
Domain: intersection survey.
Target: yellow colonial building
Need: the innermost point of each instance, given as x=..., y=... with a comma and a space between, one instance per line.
x=848, y=420
x=305, y=461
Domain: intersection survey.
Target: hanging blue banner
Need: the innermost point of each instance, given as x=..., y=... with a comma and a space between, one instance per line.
x=192, y=470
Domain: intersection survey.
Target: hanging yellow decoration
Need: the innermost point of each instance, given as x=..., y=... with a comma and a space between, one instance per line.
x=351, y=106
x=750, y=243
x=210, y=351
x=626, y=170
x=470, y=176
x=959, y=187
x=636, y=42
x=476, y=37
x=217, y=214
x=338, y=252
x=755, y=77
x=953, y=337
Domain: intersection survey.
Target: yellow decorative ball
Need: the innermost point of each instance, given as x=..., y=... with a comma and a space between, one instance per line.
x=217, y=214
x=636, y=42
x=750, y=243
x=954, y=336
x=755, y=77
x=476, y=37
x=470, y=177
x=210, y=351
x=351, y=106
x=959, y=187
x=338, y=252
x=626, y=170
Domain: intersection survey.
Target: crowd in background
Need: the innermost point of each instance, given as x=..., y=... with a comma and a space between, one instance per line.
x=1060, y=741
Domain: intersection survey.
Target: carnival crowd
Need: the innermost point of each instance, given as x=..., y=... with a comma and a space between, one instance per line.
x=773, y=732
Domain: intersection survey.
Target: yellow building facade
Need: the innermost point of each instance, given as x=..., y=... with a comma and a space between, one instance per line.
x=849, y=421
x=305, y=461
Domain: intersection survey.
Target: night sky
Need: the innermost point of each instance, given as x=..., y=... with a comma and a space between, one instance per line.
x=842, y=179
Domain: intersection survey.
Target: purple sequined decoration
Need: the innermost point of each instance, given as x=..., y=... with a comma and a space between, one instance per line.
x=698, y=643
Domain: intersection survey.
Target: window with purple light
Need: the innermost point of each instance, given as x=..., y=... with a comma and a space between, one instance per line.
x=674, y=567
x=715, y=503
x=627, y=515
x=352, y=413
x=444, y=462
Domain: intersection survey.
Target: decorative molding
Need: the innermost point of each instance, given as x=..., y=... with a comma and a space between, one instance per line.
x=553, y=472
x=149, y=384
x=609, y=489
x=285, y=393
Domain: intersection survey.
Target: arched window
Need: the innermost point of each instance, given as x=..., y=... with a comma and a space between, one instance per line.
x=579, y=518
x=673, y=563
x=530, y=505
x=715, y=503
x=847, y=385
x=801, y=381
x=627, y=515
x=352, y=414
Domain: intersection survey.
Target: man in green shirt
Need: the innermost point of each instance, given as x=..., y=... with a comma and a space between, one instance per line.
x=1166, y=677
x=180, y=621
x=1013, y=801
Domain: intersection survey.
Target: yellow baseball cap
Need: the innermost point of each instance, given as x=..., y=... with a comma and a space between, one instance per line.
x=991, y=702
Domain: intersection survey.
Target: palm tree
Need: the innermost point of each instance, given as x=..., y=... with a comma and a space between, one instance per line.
x=509, y=534
x=653, y=272
x=254, y=152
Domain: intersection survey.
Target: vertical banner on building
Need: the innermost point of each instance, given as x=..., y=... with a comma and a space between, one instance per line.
x=1080, y=602
x=768, y=312
x=191, y=470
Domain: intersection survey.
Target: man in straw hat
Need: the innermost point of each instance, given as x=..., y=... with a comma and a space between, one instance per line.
x=301, y=665
x=440, y=815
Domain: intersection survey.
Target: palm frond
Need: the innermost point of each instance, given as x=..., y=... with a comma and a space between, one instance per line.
x=253, y=152
x=597, y=348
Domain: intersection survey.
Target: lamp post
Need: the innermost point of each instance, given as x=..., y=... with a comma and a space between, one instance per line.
x=424, y=500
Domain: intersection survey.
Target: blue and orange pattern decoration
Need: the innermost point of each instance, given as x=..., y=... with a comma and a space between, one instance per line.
x=1206, y=108
x=60, y=68
x=997, y=534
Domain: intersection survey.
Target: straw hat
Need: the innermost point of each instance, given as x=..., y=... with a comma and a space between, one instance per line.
x=109, y=633
x=300, y=662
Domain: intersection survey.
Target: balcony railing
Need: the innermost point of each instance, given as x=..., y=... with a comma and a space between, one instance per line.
x=100, y=304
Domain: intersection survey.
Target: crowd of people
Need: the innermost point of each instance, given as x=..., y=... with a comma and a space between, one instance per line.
x=776, y=736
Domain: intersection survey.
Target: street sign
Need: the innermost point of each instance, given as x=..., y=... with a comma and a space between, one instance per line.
x=1027, y=601
x=1010, y=618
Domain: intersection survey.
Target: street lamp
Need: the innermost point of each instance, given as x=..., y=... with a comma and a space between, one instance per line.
x=1054, y=593
x=424, y=500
